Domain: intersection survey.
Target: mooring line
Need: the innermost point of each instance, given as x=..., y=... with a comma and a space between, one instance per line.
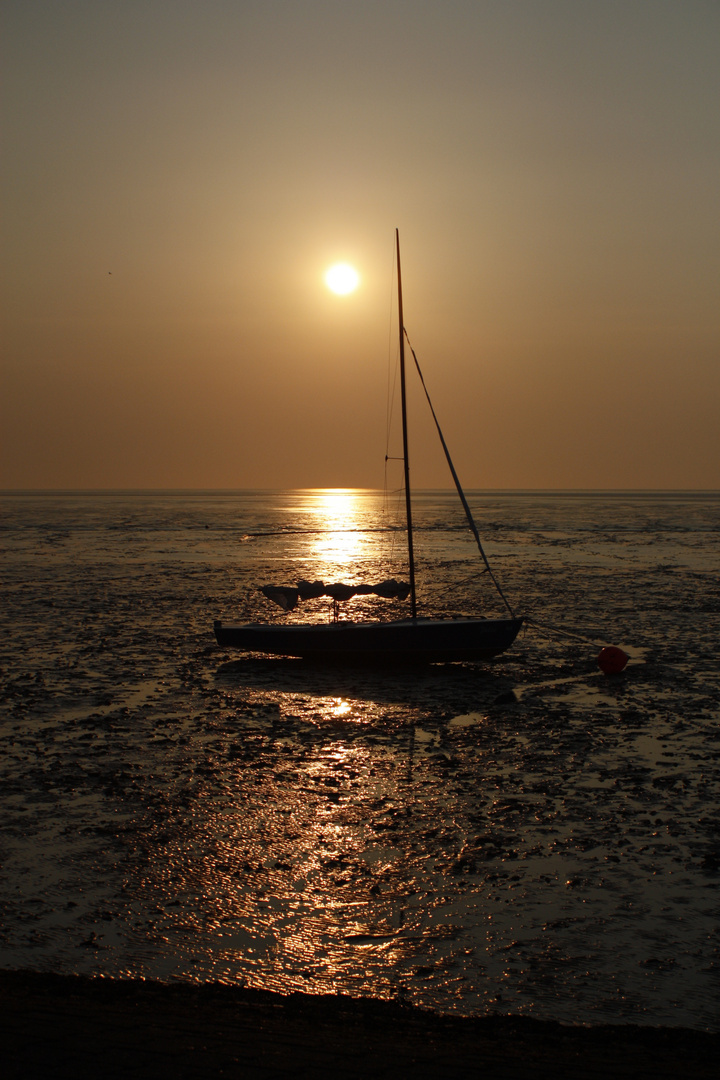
x=567, y=633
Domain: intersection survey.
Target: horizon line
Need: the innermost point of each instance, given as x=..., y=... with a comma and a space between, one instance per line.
x=4, y=492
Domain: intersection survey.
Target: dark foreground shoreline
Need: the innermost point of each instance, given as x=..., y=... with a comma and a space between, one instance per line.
x=69, y=1026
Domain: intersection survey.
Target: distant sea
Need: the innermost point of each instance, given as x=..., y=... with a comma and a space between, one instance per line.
x=527, y=836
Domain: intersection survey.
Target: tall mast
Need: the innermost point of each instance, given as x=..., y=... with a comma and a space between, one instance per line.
x=408, y=504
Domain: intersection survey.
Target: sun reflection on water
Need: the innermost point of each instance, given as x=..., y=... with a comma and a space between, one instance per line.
x=340, y=709
x=340, y=517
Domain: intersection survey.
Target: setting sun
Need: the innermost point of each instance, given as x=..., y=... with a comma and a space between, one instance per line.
x=342, y=279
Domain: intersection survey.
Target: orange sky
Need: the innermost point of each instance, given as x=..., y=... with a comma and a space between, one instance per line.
x=179, y=175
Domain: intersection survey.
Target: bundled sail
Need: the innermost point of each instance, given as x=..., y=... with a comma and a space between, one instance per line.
x=287, y=597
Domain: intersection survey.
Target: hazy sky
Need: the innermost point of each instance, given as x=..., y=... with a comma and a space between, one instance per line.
x=178, y=175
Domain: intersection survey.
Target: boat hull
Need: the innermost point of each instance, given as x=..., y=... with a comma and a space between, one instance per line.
x=422, y=641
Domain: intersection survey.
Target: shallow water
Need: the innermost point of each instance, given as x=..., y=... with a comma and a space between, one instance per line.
x=527, y=836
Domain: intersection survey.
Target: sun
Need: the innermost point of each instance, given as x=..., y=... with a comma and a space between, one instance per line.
x=342, y=279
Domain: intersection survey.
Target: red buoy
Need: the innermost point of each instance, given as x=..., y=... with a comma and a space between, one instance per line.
x=612, y=660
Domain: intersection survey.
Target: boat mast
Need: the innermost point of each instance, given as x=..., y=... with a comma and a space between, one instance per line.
x=408, y=504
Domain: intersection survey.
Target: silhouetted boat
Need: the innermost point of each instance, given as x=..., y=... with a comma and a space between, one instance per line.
x=413, y=640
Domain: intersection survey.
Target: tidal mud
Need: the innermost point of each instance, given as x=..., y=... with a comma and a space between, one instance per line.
x=527, y=837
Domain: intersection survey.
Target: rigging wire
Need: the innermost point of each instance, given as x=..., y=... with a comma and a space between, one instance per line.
x=391, y=388
x=461, y=493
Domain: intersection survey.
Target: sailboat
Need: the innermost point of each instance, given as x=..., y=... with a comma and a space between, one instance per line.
x=402, y=641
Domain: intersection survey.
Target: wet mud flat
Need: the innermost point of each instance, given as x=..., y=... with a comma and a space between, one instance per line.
x=70, y=1026
x=527, y=837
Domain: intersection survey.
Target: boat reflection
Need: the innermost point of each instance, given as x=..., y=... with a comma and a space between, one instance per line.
x=322, y=693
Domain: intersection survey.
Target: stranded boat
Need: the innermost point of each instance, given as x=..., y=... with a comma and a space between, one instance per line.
x=413, y=640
